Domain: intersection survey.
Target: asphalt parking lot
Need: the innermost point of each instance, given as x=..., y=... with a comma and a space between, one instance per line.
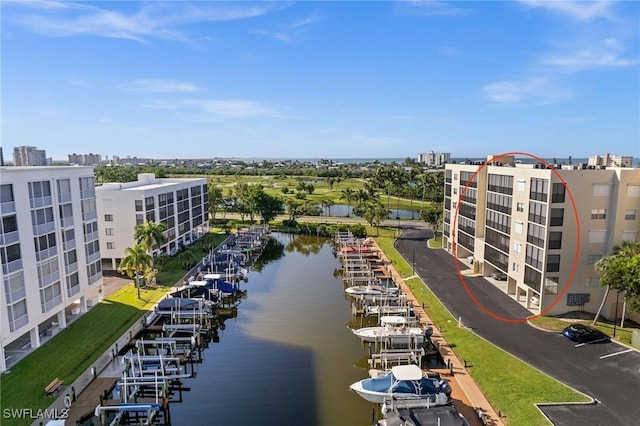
x=608, y=372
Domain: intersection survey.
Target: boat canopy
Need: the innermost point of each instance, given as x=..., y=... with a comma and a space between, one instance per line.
x=393, y=320
x=407, y=372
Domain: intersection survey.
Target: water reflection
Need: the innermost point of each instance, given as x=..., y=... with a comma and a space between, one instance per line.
x=344, y=210
x=272, y=251
x=305, y=244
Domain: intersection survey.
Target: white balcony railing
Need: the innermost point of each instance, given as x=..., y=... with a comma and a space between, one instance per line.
x=64, y=197
x=9, y=238
x=19, y=322
x=69, y=245
x=7, y=207
x=46, y=253
x=44, y=228
x=11, y=267
x=40, y=201
x=91, y=236
x=66, y=221
x=93, y=257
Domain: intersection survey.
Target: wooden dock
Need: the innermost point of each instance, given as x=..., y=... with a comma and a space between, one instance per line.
x=89, y=398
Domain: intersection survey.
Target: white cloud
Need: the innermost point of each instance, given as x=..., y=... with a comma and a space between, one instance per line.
x=606, y=54
x=219, y=108
x=532, y=91
x=290, y=33
x=152, y=20
x=152, y=85
x=430, y=8
x=448, y=51
x=580, y=10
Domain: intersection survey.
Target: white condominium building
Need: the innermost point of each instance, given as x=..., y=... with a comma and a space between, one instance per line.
x=182, y=204
x=51, y=268
x=519, y=220
x=434, y=158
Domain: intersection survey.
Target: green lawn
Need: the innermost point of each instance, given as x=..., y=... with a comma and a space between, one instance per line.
x=510, y=385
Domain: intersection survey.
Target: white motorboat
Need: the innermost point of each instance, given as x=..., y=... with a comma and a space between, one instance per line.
x=391, y=328
x=371, y=290
x=405, y=381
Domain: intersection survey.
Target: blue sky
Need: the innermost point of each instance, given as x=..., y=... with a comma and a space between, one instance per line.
x=321, y=79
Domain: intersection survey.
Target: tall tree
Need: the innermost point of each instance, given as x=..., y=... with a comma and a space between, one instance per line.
x=374, y=213
x=150, y=234
x=617, y=272
x=268, y=206
x=349, y=195
x=136, y=264
x=327, y=204
x=433, y=216
x=216, y=197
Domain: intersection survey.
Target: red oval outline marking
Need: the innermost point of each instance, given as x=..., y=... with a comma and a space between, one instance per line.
x=576, y=258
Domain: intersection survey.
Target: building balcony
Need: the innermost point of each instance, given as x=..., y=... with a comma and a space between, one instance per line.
x=69, y=245
x=88, y=193
x=70, y=269
x=64, y=198
x=66, y=221
x=49, y=279
x=7, y=207
x=19, y=322
x=93, y=257
x=91, y=236
x=11, y=267
x=9, y=238
x=40, y=202
x=44, y=228
x=50, y=304
x=46, y=253
x=95, y=278
x=88, y=216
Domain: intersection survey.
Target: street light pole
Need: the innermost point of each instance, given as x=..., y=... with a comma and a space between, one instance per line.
x=413, y=259
x=615, y=322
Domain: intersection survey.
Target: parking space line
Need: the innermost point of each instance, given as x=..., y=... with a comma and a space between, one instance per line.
x=587, y=343
x=616, y=353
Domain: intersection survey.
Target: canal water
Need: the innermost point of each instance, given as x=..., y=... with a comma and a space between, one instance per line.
x=287, y=358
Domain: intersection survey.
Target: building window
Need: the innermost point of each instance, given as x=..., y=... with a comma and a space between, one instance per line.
x=455, y=191
x=557, y=193
x=108, y=218
x=592, y=282
x=556, y=217
x=515, y=267
x=108, y=231
x=598, y=213
x=111, y=246
x=601, y=190
x=551, y=285
x=630, y=214
x=593, y=258
x=520, y=207
x=517, y=247
x=538, y=189
x=138, y=205
x=633, y=191
x=555, y=240
x=519, y=227
x=553, y=263
x=597, y=236
x=520, y=185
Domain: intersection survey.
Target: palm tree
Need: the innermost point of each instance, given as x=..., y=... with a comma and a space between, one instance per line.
x=136, y=264
x=348, y=194
x=150, y=234
x=628, y=249
x=327, y=205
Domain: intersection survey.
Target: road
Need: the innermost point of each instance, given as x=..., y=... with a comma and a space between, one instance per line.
x=613, y=381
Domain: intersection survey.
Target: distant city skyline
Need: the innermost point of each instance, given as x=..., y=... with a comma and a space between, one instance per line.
x=321, y=79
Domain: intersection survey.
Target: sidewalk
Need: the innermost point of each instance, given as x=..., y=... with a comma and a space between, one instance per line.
x=471, y=397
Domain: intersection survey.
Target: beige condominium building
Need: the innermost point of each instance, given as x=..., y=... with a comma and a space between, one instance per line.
x=51, y=270
x=182, y=204
x=542, y=228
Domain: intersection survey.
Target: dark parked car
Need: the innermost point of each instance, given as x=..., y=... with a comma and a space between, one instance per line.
x=583, y=334
x=499, y=276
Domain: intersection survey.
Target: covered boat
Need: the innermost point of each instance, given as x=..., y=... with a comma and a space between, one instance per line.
x=404, y=380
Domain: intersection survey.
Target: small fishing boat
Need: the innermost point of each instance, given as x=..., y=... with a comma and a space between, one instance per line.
x=404, y=380
x=371, y=290
x=391, y=328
